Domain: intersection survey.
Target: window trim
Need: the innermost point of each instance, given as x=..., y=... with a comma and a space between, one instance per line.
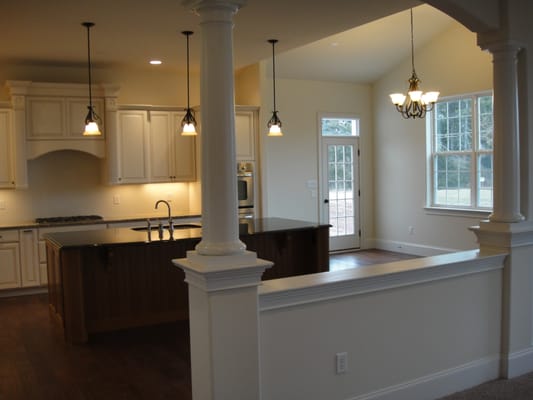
x=431, y=207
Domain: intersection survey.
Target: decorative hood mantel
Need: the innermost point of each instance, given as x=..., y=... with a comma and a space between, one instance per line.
x=49, y=116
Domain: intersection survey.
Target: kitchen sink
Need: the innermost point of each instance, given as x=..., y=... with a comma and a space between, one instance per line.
x=154, y=227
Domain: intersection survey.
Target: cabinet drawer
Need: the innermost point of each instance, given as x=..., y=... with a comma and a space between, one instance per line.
x=9, y=236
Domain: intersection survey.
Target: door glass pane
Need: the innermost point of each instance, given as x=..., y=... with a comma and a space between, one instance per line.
x=341, y=205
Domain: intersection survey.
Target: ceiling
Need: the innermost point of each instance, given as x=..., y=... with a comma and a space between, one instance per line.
x=316, y=39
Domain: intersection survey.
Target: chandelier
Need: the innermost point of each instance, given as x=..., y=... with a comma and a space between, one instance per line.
x=416, y=103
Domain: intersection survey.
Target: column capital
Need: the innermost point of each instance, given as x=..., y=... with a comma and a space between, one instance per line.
x=501, y=235
x=231, y=6
x=211, y=274
x=498, y=45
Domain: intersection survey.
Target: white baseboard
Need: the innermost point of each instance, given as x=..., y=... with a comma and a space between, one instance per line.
x=410, y=248
x=440, y=384
x=519, y=363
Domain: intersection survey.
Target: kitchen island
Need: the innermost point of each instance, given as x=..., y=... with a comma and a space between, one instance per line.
x=109, y=279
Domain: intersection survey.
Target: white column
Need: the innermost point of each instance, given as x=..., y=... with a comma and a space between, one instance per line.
x=220, y=225
x=224, y=325
x=223, y=277
x=506, y=167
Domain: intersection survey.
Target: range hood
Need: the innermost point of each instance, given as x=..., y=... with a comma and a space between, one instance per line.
x=51, y=116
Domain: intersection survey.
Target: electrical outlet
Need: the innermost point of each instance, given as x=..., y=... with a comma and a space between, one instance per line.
x=341, y=363
x=116, y=199
x=411, y=230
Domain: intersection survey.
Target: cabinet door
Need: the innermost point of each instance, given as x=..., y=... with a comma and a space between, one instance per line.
x=133, y=156
x=29, y=258
x=77, y=111
x=245, y=135
x=6, y=151
x=9, y=265
x=184, y=152
x=45, y=118
x=161, y=165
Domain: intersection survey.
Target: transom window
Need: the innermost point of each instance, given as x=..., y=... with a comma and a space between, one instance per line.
x=339, y=126
x=460, y=156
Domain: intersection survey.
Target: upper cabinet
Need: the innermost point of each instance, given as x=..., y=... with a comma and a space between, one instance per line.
x=150, y=148
x=246, y=132
x=50, y=116
x=60, y=117
x=7, y=179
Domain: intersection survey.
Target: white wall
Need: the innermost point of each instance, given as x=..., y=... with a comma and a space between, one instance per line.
x=453, y=64
x=403, y=341
x=289, y=162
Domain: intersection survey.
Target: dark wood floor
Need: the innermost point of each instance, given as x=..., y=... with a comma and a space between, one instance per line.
x=146, y=363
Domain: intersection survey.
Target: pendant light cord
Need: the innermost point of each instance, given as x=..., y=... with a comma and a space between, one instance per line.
x=88, y=26
x=273, y=41
x=412, y=44
x=188, y=34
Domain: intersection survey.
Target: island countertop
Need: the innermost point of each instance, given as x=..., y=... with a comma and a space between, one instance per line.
x=120, y=236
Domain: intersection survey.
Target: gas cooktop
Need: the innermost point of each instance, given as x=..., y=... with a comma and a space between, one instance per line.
x=71, y=218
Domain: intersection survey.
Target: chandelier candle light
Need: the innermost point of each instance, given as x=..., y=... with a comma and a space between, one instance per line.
x=274, y=124
x=188, y=124
x=91, y=120
x=416, y=103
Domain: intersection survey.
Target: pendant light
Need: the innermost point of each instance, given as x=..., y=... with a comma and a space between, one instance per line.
x=418, y=103
x=188, y=124
x=91, y=120
x=274, y=124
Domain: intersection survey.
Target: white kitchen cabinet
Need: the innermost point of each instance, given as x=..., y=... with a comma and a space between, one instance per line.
x=7, y=179
x=246, y=132
x=132, y=147
x=150, y=148
x=58, y=117
x=9, y=259
x=29, y=258
x=183, y=152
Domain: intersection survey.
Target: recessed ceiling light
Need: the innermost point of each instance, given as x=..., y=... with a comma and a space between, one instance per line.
x=335, y=44
x=156, y=62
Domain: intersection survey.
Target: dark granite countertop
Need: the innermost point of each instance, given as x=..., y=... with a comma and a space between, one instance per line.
x=116, y=236
x=140, y=218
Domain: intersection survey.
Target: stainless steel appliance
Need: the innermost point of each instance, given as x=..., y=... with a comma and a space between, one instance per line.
x=245, y=190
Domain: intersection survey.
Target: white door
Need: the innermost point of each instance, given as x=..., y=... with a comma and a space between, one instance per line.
x=339, y=181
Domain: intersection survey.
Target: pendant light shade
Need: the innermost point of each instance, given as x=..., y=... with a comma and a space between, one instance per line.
x=92, y=119
x=188, y=123
x=274, y=124
x=416, y=103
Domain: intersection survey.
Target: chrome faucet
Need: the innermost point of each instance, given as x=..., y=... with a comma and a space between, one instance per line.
x=170, y=223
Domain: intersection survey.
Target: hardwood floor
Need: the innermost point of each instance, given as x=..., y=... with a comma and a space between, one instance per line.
x=364, y=258
x=36, y=363
x=145, y=363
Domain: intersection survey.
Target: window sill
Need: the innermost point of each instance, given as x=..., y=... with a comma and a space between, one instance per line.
x=458, y=212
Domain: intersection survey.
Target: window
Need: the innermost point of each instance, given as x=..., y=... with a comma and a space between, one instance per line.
x=339, y=126
x=460, y=156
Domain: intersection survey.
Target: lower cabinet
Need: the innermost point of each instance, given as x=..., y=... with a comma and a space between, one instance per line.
x=9, y=259
x=19, y=265
x=29, y=259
